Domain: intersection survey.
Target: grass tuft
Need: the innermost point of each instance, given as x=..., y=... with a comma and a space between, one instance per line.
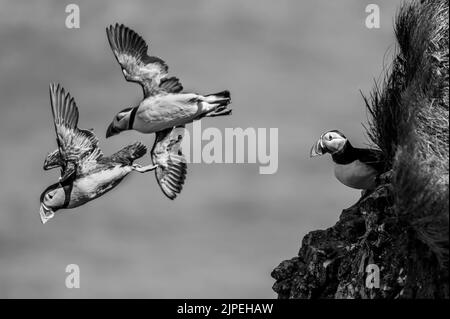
x=409, y=122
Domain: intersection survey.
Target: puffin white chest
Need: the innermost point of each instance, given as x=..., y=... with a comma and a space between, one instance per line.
x=159, y=113
x=356, y=175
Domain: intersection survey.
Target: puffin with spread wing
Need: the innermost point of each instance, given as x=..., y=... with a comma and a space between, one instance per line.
x=164, y=110
x=86, y=172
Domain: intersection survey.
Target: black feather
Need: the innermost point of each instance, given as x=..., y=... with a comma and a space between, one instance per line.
x=128, y=154
x=224, y=94
x=371, y=157
x=171, y=85
x=125, y=40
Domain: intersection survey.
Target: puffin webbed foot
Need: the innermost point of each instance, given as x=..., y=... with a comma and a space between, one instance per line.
x=144, y=169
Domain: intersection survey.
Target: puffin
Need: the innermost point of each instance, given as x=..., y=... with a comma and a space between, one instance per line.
x=164, y=109
x=354, y=167
x=170, y=164
x=91, y=173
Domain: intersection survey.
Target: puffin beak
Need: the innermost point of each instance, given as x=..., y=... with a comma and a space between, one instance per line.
x=318, y=148
x=45, y=213
x=111, y=131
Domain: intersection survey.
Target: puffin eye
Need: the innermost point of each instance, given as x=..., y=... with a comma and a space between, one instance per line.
x=330, y=137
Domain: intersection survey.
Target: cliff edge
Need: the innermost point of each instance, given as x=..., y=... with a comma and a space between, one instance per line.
x=394, y=242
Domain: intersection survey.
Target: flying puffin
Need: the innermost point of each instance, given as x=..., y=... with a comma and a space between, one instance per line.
x=93, y=174
x=164, y=107
x=166, y=154
x=354, y=167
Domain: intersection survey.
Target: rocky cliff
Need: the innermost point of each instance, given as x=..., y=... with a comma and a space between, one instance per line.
x=335, y=263
x=394, y=242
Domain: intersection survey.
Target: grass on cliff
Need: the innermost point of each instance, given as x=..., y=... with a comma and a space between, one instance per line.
x=409, y=122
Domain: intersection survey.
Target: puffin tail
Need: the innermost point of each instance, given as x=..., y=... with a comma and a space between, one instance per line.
x=220, y=102
x=137, y=150
x=130, y=153
x=223, y=98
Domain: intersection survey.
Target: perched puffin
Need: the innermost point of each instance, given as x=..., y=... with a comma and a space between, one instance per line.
x=354, y=167
x=94, y=174
x=164, y=107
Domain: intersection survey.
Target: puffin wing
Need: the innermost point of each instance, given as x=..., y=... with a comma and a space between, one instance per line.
x=371, y=157
x=75, y=145
x=166, y=153
x=130, y=51
x=53, y=160
x=170, y=85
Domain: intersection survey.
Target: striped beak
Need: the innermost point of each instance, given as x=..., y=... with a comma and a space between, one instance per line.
x=45, y=213
x=318, y=148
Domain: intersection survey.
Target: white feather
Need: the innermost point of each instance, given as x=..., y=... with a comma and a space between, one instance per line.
x=356, y=175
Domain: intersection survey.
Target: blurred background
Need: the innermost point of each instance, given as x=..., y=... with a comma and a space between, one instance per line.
x=294, y=65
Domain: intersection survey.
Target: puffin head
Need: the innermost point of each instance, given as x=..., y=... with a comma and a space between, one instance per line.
x=52, y=199
x=331, y=142
x=121, y=122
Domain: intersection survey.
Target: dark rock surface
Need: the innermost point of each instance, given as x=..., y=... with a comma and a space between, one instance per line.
x=332, y=263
